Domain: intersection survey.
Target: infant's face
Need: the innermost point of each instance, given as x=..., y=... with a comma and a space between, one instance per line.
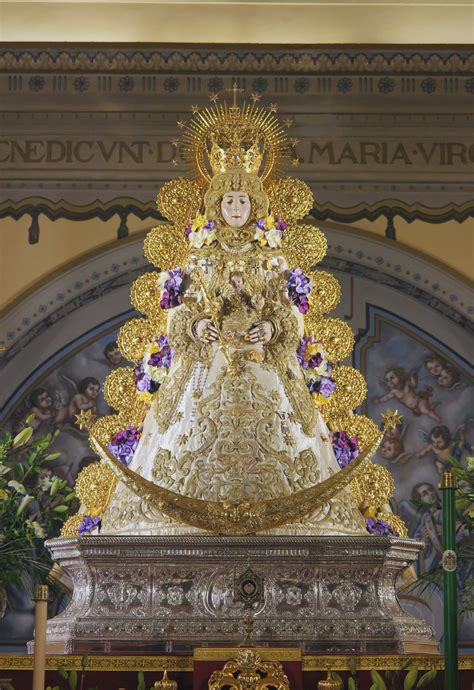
x=391, y=379
x=44, y=401
x=438, y=442
x=114, y=356
x=236, y=207
x=434, y=367
x=237, y=281
x=92, y=391
x=445, y=379
x=387, y=450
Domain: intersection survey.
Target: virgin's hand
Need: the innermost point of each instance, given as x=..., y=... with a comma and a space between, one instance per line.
x=262, y=332
x=205, y=330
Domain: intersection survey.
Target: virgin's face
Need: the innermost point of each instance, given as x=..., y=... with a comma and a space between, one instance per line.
x=236, y=207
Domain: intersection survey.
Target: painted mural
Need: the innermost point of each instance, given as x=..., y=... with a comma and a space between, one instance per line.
x=405, y=369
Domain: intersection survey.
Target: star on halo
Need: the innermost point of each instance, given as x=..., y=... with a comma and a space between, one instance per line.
x=295, y=162
x=256, y=97
x=85, y=419
x=181, y=123
x=288, y=122
x=195, y=109
x=273, y=107
x=391, y=419
x=213, y=97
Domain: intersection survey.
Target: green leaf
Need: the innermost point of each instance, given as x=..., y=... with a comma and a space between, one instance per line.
x=353, y=666
x=52, y=456
x=53, y=489
x=3, y=495
x=378, y=681
x=23, y=437
x=426, y=679
x=337, y=677
x=351, y=684
x=61, y=509
x=63, y=673
x=410, y=679
x=73, y=679
x=84, y=662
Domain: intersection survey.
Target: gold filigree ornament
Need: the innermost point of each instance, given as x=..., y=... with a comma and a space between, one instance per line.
x=105, y=428
x=145, y=297
x=235, y=517
x=248, y=671
x=134, y=337
x=325, y=293
x=395, y=522
x=350, y=392
x=291, y=199
x=179, y=200
x=374, y=486
x=94, y=486
x=303, y=246
x=166, y=247
x=335, y=335
x=71, y=525
x=120, y=390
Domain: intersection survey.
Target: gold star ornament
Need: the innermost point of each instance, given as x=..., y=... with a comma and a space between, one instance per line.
x=85, y=419
x=391, y=419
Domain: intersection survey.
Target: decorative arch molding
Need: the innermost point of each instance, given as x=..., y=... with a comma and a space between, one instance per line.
x=91, y=296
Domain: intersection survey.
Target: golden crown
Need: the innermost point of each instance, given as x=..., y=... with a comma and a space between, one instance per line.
x=222, y=136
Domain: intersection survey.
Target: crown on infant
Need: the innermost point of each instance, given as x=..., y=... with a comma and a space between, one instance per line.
x=223, y=137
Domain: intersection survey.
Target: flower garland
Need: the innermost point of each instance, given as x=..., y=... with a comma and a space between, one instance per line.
x=345, y=447
x=153, y=369
x=299, y=287
x=124, y=444
x=200, y=231
x=380, y=527
x=269, y=231
x=171, y=282
x=316, y=369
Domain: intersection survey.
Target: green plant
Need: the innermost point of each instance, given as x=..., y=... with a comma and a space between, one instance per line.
x=33, y=505
x=389, y=680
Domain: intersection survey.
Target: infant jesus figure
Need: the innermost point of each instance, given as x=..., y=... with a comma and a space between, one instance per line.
x=241, y=313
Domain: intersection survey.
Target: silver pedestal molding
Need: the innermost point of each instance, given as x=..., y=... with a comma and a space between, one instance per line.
x=171, y=594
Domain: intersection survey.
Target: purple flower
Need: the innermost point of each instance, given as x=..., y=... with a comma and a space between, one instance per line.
x=380, y=527
x=299, y=287
x=261, y=224
x=124, y=444
x=88, y=524
x=143, y=382
x=325, y=386
x=173, y=293
x=188, y=229
x=345, y=448
x=281, y=225
x=163, y=358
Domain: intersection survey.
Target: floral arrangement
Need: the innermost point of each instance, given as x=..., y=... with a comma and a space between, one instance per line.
x=269, y=231
x=345, y=447
x=171, y=282
x=200, y=231
x=153, y=369
x=299, y=287
x=34, y=503
x=124, y=444
x=316, y=368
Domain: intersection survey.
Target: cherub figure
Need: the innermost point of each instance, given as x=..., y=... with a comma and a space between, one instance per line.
x=112, y=354
x=442, y=444
x=85, y=398
x=448, y=377
x=434, y=364
x=392, y=448
x=402, y=387
x=42, y=408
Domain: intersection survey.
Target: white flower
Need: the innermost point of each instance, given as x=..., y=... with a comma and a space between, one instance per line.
x=273, y=237
x=197, y=238
x=162, y=278
x=37, y=529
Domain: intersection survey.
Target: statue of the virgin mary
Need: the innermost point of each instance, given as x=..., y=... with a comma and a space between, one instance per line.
x=235, y=416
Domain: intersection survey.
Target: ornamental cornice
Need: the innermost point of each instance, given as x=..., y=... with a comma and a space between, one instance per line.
x=281, y=59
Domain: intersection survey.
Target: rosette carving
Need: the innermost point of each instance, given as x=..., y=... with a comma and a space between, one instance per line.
x=179, y=200
x=133, y=338
x=373, y=487
x=304, y=246
x=335, y=335
x=325, y=292
x=119, y=388
x=166, y=247
x=359, y=425
x=350, y=392
x=145, y=297
x=105, y=428
x=94, y=485
x=290, y=198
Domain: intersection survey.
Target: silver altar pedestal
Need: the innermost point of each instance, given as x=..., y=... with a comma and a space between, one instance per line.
x=171, y=594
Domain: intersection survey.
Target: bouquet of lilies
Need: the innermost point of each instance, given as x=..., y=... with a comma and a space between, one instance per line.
x=200, y=231
x=269, y=231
